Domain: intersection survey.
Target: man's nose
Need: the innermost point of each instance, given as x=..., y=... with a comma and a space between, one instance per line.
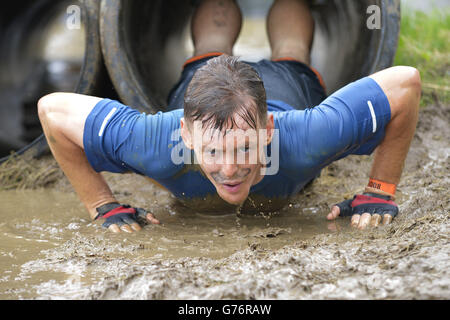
x=229, y=170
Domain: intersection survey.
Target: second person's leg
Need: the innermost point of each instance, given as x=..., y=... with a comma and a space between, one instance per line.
x=290, y=27
x=215, y=26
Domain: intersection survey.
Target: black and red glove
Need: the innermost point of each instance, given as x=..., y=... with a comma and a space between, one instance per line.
x=120, y=214
x=372, y=203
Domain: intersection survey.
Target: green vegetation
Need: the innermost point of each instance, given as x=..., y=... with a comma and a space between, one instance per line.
x=424, y=43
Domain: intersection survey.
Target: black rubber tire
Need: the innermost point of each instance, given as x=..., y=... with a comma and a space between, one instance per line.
x=344, y=48
x=143, y=63
x=147, y=27
x=93, y=76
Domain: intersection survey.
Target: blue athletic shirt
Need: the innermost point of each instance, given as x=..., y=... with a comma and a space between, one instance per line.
x=120, y=139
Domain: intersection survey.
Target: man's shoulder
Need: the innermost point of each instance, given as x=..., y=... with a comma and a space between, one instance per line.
x=289, y=122
x=162, y=126
x=153, y=144
x=176, y=114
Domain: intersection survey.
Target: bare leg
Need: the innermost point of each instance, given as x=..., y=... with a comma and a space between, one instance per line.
x=290, y=27
x=215, y=26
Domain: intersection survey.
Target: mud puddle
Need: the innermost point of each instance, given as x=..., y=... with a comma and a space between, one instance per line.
x=47, y=239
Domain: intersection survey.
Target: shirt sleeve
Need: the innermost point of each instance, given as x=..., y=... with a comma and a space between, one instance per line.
x=119, y=139
x=350, y=121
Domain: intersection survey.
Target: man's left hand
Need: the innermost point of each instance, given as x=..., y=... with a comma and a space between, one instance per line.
x=365, y=209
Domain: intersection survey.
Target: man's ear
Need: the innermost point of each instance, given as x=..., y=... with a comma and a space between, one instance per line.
x=185, y=134
x=270, y=127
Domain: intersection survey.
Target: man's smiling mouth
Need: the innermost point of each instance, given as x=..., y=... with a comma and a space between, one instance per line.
x=232, y=187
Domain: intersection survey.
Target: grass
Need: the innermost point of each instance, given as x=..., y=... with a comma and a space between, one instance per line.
x=424, y=43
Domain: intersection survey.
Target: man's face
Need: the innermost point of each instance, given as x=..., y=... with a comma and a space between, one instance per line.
x=231, y=159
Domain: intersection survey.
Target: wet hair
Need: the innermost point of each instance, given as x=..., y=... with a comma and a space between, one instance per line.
x=221, y=90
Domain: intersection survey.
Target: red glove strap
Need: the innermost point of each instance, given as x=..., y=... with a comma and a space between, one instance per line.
x=117, y=210
x=363, y=199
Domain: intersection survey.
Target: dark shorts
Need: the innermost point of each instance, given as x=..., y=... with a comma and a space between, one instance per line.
x=286, y=80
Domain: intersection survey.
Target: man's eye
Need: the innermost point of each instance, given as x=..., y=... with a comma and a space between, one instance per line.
x=212, y=152
x=244, y=149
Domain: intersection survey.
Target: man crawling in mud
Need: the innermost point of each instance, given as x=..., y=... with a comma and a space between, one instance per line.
x=219, y=108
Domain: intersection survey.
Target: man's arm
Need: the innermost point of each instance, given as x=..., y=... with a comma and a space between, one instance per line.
x=63, y=116
x=402, y=87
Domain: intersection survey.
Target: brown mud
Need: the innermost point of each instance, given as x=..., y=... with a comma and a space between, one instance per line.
x=49, y=248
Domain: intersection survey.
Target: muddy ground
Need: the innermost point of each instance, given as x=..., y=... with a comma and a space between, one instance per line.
x=49, y=249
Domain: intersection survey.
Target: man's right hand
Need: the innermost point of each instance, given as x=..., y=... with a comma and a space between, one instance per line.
x=123, y=217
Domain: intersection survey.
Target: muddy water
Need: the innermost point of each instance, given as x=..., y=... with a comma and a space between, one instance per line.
x=43, y=230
